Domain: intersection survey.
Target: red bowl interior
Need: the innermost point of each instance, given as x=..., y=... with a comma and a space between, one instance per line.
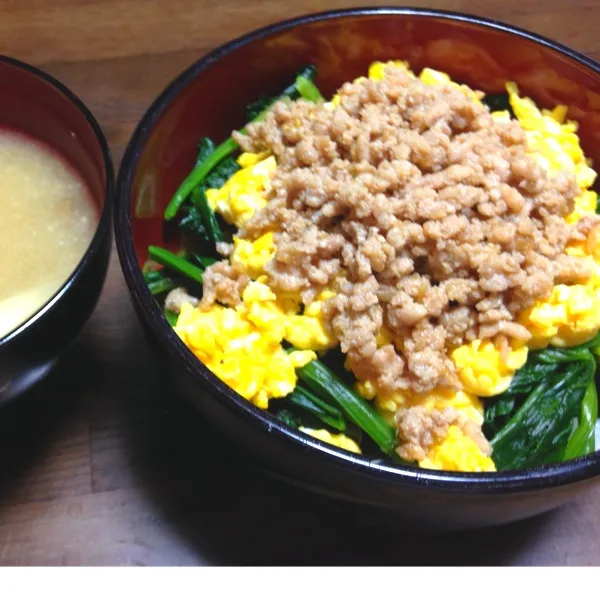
x=33, y=104
x=213, y=102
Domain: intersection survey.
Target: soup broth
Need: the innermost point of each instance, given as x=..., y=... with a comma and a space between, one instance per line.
x=47, y=220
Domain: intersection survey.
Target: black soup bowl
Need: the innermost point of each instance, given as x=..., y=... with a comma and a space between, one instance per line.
x=208, y=99
x=37, y=105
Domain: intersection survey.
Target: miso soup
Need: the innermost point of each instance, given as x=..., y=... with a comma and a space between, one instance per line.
x=47, y=220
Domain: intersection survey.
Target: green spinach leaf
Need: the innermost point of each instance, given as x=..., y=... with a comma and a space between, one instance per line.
x=198, y=219
x=542, y=425
x=263, y=102
x=205, y=148
x=221, y=173
x=583, y=441
x=193, y=222
x=171, y=317
x=499, y=409
x=497, y=102
x=288, y=418
x=255, y=108
x=325, y=412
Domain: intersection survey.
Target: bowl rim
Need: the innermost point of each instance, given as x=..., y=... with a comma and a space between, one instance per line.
x=104, y=221
x=518, y=481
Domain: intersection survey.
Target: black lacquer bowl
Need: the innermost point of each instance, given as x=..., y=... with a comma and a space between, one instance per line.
x=209, y=99
x=35, y=103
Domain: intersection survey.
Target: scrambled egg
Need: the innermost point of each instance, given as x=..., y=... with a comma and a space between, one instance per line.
x=245, y=191
x=308, y=331
x=242, y=346
x=571, y=316
x=433, y=77
x=253, y=256
x=335, y=439
x=481, y=368
x=243, y=194
x=585, y=204
x=377, y=69
x=457, y=452
x=553, y=141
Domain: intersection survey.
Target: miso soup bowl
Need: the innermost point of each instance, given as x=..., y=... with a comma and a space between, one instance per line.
x=208, y=99
x=34, y=103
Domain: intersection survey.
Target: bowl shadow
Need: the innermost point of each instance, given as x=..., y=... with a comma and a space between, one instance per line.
x=38, y=425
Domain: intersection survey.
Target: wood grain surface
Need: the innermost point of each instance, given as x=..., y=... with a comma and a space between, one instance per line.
x=101, y=466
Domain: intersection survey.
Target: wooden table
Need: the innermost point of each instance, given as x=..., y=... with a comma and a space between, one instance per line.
x=101, y=466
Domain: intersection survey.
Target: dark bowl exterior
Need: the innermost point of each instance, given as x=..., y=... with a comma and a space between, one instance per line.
x=209, y=99
x=35, y=103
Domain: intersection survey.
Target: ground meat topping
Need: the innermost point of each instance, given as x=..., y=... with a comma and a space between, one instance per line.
x=419, y=429
x=177, y=297
x=223, y=283
x=420, y=211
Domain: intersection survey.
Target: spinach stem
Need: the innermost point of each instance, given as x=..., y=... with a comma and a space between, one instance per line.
x=171, y=317
x=196, y=177
x=162, y=285
x=176, y=263
x=582, y=441
x=326, y=384
x=205, y=261
x=308, y=90
x=208, y=214
x=322, y=410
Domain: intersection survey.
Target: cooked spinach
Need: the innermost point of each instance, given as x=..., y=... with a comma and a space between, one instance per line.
x=288, y=418
x=498, y=412
x=192, y=222
x=328, y=386
x=555, y=356
x=548, y=413
x=171, y=317
x=198, y=218
x=158, y=281
x=308, y=90
x=498, y=102
x=221, y=173
x=324, y=411
x=258, y=106
x=582, y=441
x=176, y=264
x=209, y=218
x=205, y=148
x=262, y=103
x=202, y=261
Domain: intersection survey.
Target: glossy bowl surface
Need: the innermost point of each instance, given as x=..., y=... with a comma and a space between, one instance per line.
x=33, y=102
x=209, y=99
